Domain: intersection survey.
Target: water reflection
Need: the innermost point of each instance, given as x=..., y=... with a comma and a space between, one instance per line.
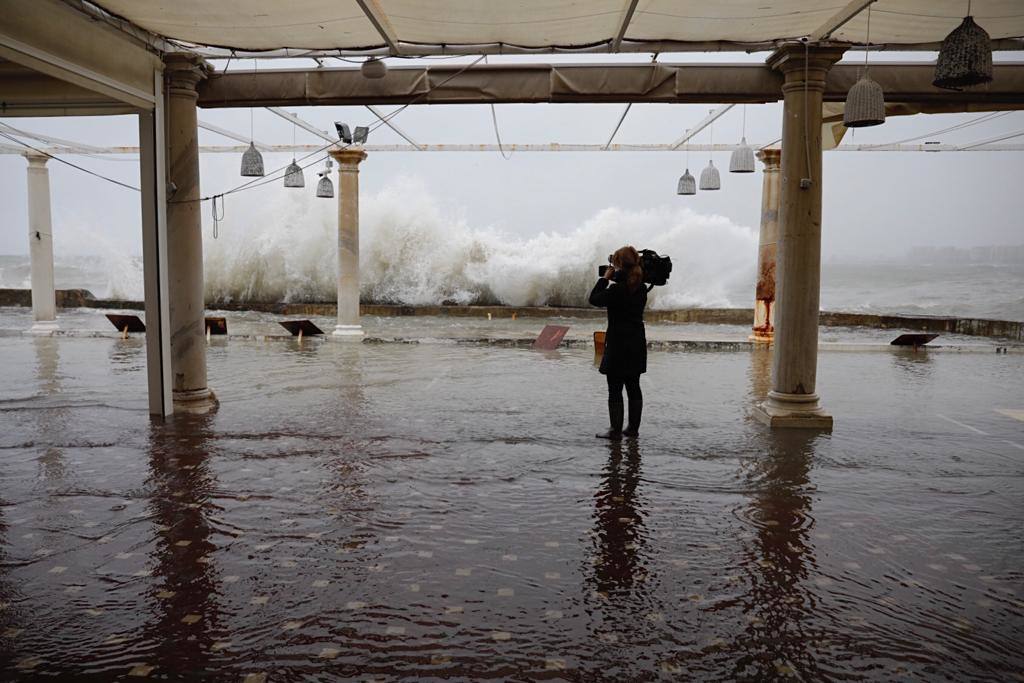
x=759, y=373
x=619, y=522
x=51, y=422
x=778, y=606
x=186, y=587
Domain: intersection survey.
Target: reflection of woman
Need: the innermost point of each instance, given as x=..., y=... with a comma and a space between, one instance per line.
x=621, y=290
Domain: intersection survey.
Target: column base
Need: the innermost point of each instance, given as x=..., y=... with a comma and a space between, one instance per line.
x=761, y=338
x=195, y=401
x=347, y=332
x=44, y=327
x=802, y=411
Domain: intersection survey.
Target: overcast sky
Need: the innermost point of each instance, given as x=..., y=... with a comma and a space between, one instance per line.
x=875, y=204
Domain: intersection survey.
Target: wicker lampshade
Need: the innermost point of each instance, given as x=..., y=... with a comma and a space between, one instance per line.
x=709, y=178
x=965, y=57
x=865, y=104
x=687, y=184
x=293, y=175
x=325, y=188
x=374, y=68
x=252, y=162
x=742, y=159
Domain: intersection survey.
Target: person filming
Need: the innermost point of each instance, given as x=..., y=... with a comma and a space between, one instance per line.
x=622, y=291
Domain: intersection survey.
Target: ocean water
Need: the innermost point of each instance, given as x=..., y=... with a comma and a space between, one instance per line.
x=412, y=252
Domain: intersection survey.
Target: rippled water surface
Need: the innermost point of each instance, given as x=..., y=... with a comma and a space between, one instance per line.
x=393, y=511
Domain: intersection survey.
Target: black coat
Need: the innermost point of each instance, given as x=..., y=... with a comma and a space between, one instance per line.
x=625, y=342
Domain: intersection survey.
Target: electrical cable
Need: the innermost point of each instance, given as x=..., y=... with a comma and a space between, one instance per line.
x=75, y=166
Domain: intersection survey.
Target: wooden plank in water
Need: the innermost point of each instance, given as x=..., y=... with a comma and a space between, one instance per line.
x=306, y=327
x=914, y=340
x=550, y=337
x=126, y=323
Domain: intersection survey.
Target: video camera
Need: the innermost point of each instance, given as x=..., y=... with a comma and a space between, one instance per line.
x=656, y=268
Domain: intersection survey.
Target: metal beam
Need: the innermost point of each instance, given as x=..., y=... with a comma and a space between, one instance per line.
x=982, y=146
x=383, y=117
x=627, y=16
x=512, y=83
x=233, y=135
x=302, y=123
x=52, y=38
x=704, y=123
x=837, y=20
x=380, y=22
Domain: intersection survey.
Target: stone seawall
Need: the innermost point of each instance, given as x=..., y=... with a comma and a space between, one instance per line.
x=979, y=327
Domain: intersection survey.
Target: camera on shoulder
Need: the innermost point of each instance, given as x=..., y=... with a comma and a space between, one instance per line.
x=656, y=268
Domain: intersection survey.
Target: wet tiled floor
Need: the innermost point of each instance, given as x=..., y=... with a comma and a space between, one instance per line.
x=399, y=512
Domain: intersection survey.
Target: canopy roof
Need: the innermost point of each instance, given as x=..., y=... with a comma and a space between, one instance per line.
x=416, y=26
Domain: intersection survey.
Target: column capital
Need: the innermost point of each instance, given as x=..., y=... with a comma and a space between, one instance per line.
x=770, y=157
x=349, y=158
x=36, y=160
x=183, y=72
x=797, y=61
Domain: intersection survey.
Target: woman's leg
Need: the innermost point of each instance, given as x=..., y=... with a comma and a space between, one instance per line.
x=636, y=405
x=616, y=410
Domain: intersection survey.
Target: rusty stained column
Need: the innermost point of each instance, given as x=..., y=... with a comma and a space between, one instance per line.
x=187, y=305
x=793, y=401
x=764, y=303
x=348, y=327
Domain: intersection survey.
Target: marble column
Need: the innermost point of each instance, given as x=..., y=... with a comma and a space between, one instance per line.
x=348, y=326
x=40, y=246
x=185, y=238
x=764, y=302
x=792, y=401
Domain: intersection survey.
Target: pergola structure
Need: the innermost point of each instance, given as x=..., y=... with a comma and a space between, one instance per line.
x=152, y=58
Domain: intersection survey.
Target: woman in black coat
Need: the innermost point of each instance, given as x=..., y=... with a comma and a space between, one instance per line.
x=621, y=290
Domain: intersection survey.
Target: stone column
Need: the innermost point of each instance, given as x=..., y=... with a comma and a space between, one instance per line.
x=348, y=326
x=185, y=238
x=792, y=402
x=764, y=302
x=40, y=245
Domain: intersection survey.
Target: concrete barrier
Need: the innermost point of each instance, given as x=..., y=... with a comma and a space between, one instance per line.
x=979, y=327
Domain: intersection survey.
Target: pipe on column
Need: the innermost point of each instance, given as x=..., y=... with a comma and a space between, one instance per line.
x=764, y=302
x=792, y=401
x=348, y=326
x=187, y=305
x=40, y=246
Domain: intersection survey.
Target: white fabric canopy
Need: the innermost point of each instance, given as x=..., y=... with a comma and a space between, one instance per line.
x=342, y=24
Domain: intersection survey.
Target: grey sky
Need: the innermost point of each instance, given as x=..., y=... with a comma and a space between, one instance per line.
x=875, y=204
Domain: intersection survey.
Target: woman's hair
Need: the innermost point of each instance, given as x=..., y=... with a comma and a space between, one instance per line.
x=627, y=259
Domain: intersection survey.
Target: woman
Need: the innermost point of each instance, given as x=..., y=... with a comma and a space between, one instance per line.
x=621, y=290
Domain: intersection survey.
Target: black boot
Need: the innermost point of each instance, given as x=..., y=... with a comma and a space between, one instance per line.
x=636, y=409
x=615, y=414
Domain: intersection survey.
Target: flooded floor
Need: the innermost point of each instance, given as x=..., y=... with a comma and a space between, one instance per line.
x=398, y=512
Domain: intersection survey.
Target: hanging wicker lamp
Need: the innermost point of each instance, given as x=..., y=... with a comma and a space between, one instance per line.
x=325, y=188
x=252, y=162
x=865, y=104
x=965, y=57
x=293, y=175
x=374, y=68
x=742, y=159
x=687, y=184
x=709, y=177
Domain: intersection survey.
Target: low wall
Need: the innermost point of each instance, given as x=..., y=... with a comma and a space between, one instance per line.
x=980, y=327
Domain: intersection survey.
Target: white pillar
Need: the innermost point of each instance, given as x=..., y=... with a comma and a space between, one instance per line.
x=40, y=241
x=185, y=237
x=348, y=326
x=764, y=295
x=792, y=402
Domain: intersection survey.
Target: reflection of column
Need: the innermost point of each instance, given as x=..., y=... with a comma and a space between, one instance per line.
x=619, y=524
x=764, y=312
x=51, y=421
x=348, y=242
x=760, y=373
x=185, y=580
x=40, y=240
x=185, y=237
x=792, y=401
x=779, y=559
